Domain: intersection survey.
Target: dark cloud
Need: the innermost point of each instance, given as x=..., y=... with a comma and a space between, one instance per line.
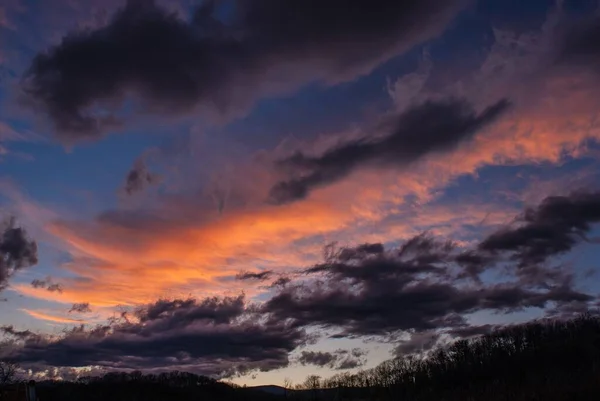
x=426, y=285
x=280, y=282
x=56, y=287
x=180, y=312
x=81, y=308
x=578, y=43
x=553, y=228
x=37, y=283
x=19, y=334
x=339, y=360
x=170, y=66
x=360, y=252
x=259, y=276
x=139, y=177
x=17, y=251
x=214, y=336
x=416, y=287
x=47, y=284
x=316, y=358
x=431, y=127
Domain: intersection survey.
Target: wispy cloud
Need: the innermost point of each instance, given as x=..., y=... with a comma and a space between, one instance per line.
x=51, y=318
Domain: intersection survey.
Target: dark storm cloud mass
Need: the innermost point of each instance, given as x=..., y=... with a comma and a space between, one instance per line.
x=83, y=307
x=431, y=127
x=196, y=335
x=139, y=177
x=171, y=66
x=339, y=360
x=17, y=251
x=418, y=286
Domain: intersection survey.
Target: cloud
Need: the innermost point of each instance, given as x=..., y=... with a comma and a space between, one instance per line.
x=171, y=66
x=259, y=276
x=280, y=282
x=17, y=251
x=211, y=336
x=316, y=358
x=139, y=178
x=552, y=228
x=416, y=287
x=19, y=334
x=419, y=287
x=47, y=284
x=50, y=317
x=428, y=128
x=578, y=43
x=179, y=312
x=339, y=360
x=83, y=307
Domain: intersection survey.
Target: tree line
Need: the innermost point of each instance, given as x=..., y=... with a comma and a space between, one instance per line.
x=542, y=360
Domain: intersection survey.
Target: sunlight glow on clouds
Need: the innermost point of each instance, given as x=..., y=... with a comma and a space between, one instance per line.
x=247, y=226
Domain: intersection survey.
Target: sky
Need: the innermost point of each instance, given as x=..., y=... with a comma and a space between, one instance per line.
x=257, y=190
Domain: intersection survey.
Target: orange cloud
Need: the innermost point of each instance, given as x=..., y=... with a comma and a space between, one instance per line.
x=52, y=318
x=128, y=259
x=118, y=264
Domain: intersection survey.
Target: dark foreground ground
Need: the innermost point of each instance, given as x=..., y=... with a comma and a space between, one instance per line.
x=549, y=361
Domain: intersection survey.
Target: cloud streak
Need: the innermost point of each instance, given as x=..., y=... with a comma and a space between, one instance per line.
x=429, y=128
x=47, y=284
x=259, y=276
x=51, y=318
x=83, y=307
x=338, y=360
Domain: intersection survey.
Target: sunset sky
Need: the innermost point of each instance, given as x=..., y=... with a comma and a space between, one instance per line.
x=262, y=189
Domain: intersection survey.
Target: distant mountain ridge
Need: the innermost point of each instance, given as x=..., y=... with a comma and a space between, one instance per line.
x=271, y=389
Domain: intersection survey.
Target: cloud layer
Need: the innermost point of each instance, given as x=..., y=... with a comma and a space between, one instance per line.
x=213, y=337
x=425, y=287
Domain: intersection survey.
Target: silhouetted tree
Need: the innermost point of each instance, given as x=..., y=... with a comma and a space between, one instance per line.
x=8, y=372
